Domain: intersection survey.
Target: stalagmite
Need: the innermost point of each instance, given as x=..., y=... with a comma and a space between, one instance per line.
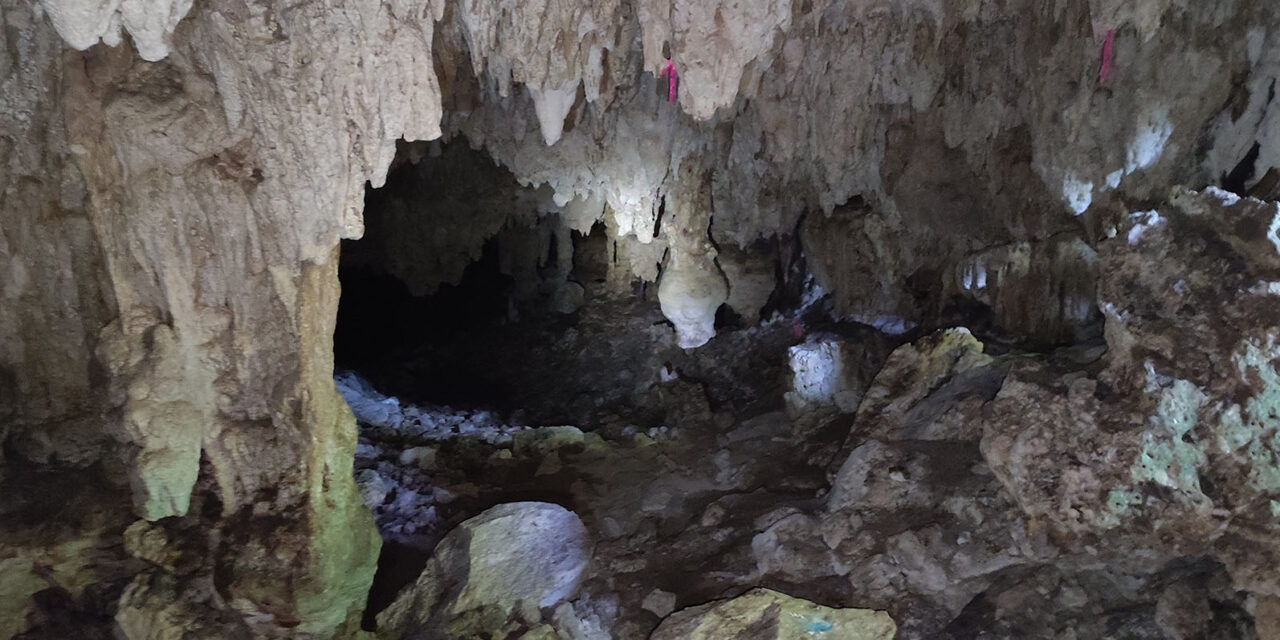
x=692, y=286
x=690, y=291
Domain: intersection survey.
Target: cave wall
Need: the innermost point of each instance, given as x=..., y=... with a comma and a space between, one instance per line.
x=209, y=231
x=172, y=201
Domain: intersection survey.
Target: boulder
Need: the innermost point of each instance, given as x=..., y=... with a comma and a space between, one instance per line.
x=763, y=614
x=505, y=565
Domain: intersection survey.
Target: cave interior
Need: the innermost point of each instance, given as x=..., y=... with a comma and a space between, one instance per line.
x=639, y=319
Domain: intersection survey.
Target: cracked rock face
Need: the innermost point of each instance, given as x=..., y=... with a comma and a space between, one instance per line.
x=1102, y=434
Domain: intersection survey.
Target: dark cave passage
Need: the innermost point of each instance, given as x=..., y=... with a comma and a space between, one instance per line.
x=462, y=281
x=384, y=330
x=470, y=291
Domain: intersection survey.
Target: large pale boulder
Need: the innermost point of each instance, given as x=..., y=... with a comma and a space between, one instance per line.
x=506, y=564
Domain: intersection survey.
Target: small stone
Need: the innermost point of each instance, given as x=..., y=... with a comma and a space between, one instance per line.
x=655, y=501
x=373, y=487
x=1266, y=615
x=712, y=515
x=420, y=457
x=610, y=528
x=660, y=603
x=628, y=565
x=569, y=298
x=149, y=542
x=1072, y=597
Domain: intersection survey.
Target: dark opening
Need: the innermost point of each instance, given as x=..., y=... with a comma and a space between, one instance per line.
x=470, y=290
x=388, y=334
x=461, y=281
x=471, y=306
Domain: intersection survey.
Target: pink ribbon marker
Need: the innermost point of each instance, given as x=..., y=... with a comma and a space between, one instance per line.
x=1105, y=69
x=670, y=72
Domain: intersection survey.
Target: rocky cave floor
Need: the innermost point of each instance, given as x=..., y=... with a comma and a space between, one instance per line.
x=702, y=474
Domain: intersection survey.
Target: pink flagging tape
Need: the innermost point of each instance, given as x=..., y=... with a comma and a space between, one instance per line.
x=670, y=72
x=1107, y=45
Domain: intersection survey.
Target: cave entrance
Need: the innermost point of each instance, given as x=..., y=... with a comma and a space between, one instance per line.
x=456, y=330
x=465, y=285
x=478, y=315
x=496, y=346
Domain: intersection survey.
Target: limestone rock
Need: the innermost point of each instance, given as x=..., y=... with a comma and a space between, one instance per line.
x=1267, y=613
x=509, y=562
x=792, y=550
x=762, y=614
x=373, y=487
x=421, y=457
x=660, y=603
x=852, y=485
x=145, y=541
x=47, y=558
x=569, y=298
x=690, y=291
x=1184, y=440
x=915, y=394
x=751, y=280
x=547, y=440
x=154, y=606
x=827, y=375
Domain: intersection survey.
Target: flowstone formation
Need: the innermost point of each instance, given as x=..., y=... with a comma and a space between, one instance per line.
x=959, y=312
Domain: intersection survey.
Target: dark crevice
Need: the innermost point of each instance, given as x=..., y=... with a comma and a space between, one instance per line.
x=1237, y=179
